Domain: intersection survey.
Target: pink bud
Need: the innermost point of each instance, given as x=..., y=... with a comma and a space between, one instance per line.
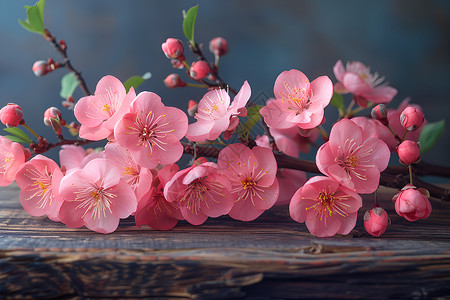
x=172, y=48
x=63, y=45
x=11, y=115
x=376, y=221
x=53, y=113
x=412, y=203
x=69, y=103
x=379, y=113
x=192, y=107
x=199, y=69
x=408, y=152
x=40, y=68
x=173, y=81
x=411, y=118
x=218, y=46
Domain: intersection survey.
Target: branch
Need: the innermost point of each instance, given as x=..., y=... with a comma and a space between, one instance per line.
x=49, y=37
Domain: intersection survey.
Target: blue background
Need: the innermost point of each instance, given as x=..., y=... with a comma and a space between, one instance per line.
x=406, y=41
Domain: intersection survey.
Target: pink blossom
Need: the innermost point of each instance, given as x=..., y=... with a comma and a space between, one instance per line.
x=39, y=181
x=152, y=131
x=96, y=197
x=376, y=221
x=200, y=191
x=98, y=114
x=299, y=102
x=373, y=128
x=153, y=209
x=252, y=173
x=12, y=157
x=139, y=178
x=351, y=159
x=412, y=203
x=326, y=207
x=215, y=114
x=356, y=78
x=73, y=157
x=288, y=180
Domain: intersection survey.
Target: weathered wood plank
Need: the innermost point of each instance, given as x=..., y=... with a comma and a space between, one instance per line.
x=270, y=258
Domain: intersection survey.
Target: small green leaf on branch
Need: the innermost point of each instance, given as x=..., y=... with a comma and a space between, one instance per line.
x=18, y=135
x=69, y=82
x=136, y=81
x=430, y=134
x=35, y=18
x=189, y=24
x=338, y=101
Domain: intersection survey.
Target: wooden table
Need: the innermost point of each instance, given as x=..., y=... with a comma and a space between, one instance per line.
x=270, y=258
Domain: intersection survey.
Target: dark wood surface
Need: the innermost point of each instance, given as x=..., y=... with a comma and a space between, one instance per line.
x=270, y=258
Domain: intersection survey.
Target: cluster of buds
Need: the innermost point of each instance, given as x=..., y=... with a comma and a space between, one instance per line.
x=198, y=70
x=11, y=115
x=42, y=67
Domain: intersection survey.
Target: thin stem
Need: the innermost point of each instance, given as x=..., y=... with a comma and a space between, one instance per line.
x=394, y=134
x=404, y=136
x=49, y=37
x=350, y=106
x=30, y=130
x=196, y=85
x=186, y=65
x=410, y=174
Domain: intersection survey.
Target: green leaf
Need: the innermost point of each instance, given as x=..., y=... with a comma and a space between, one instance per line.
x=35, y=18
x=253, y=118
x=189, y=23
x=430, y=134
x=136, y=81
x=17, y=132
x=16, y=139
x=338, y=101
x=69, y=83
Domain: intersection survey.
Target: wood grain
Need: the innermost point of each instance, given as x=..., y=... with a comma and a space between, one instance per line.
x=270, y=258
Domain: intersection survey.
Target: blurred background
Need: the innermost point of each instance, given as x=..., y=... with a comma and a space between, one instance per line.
x=406, y=41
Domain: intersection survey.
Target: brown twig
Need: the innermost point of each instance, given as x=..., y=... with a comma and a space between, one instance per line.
x=52, y=39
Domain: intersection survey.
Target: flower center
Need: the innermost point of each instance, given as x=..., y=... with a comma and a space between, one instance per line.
x=106, y=108
x=247, y=183
x=328, y=204
x=130, y=171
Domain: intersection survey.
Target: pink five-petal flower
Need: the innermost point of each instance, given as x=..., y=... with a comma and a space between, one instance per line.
x=153, y=209
x=252, y=173
x=96, y=197
x=152, y=131
x=98, y=114
x=12, y=156
x=352, y=160
x=298, y=101
x=216, y=115
x=139, y=178
x=39, y=180
x=326, y=207
x=356, y=78
x=200, y=191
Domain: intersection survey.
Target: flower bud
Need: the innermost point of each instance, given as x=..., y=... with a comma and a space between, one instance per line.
x=411, y=118
x=379, y=113
x=53, y=113
x=11, y=115
x=40, y=68
x=62, y=45
x=218, y=46
x=192, y=107
x=199, y=69
x=177, y=64
x=376, y=221
x=408, y=152
x=173, y=81
x=69, y=103
x=412, y=203
x=172, y=48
